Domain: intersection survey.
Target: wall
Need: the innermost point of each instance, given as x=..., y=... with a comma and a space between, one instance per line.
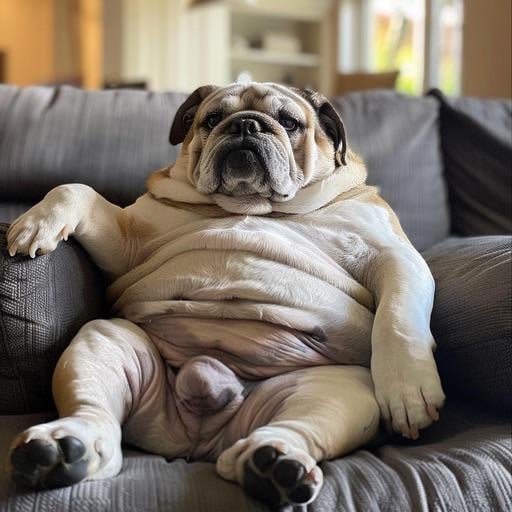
x=26, y=32
x=66, y=41
x=487, y=55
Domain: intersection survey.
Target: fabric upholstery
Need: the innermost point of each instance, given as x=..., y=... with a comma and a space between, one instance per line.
x=472, y=318
x=460, y=463
x=43, y=303
x=477, y=148
x=110, y=140
x=398, y=138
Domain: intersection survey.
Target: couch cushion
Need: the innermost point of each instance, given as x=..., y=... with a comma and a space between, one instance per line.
x=472, y=318
x=110, y=140
x=398, y=138
x=43, y=303
x=460, y=463
x=476, y=137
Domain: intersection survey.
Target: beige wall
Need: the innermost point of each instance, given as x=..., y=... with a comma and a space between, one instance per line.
x=486, y=63
x=26, y=32
x=91, y=42
x=66, y=41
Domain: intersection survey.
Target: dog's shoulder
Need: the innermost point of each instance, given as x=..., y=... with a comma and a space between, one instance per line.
x=365, y=211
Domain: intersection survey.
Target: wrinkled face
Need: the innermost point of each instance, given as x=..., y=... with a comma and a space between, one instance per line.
x=257, y=139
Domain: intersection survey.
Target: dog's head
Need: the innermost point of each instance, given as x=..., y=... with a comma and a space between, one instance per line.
x=263, y=140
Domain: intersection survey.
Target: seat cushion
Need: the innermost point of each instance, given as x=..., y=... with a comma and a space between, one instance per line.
x=460, y=463
x=43, y=303
x=476, y=137
x=398, y=138
x=472, y=318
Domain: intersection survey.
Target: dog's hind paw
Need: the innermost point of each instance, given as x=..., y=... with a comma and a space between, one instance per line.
x=64, y=452
x=43, y=464
x=278, y=479
x=274, y=472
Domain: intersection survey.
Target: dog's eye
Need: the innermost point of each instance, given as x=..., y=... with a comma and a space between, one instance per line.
x=212, y=120
x=288, y=123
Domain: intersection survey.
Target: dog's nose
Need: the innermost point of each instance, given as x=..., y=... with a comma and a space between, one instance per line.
x=244, y=126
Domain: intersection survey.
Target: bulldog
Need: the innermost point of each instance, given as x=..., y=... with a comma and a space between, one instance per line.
x=268, y=310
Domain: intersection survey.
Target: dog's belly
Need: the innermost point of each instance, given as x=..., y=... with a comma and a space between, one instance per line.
x=252, y=349
x=264, y=296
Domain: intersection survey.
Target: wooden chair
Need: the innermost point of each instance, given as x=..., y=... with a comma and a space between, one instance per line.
x=363, y=81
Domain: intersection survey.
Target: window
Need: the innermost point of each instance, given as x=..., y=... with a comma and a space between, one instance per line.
x=420, y=38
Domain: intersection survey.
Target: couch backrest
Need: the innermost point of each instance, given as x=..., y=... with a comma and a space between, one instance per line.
x=112, y=140
x=398, y=137
x=476, y=135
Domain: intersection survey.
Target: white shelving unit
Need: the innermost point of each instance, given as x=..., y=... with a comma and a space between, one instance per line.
x=311, y=22
x=251, y=55
x=179, y=45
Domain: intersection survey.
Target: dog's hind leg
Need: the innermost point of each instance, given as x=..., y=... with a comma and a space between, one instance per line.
x=96, y=384
x=309, y=415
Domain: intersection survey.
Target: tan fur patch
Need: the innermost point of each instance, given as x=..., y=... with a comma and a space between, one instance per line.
x=372, y=196
x=156, y=177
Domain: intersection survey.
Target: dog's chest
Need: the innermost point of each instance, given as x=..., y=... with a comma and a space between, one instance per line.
x=299, y=271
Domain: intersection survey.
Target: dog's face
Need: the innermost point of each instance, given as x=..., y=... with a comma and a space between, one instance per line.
x=256, y=139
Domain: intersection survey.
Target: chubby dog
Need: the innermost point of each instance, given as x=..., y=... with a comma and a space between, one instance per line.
x=268, y=309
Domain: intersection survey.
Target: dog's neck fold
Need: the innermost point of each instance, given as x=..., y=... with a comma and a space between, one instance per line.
x=171, y=185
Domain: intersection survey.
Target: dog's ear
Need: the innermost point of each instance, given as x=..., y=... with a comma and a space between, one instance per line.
x=329, y=120
x=185, y=115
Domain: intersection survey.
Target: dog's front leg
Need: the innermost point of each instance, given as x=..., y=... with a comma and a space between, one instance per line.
x=75, y=209
x=407, y=383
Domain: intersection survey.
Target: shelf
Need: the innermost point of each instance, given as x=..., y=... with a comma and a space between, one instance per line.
x=306, y=10
x=269, y=57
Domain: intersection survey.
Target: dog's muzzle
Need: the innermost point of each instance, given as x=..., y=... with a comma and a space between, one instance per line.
x=242, y=170
x=248, y=158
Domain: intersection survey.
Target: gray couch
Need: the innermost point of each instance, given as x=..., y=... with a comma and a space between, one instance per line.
x=445, y=167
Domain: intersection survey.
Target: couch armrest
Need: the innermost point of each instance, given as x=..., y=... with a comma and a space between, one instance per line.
x=43, y=303
x=472, y=318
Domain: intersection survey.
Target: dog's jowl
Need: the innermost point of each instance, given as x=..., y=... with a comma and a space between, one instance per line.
x=268, y=310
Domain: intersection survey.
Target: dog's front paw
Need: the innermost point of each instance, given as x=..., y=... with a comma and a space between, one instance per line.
x=41, y=228
x=408, y=391
x=272, y=471
x=33, y=233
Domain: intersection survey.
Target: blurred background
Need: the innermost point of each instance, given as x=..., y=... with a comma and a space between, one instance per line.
x=461, y=46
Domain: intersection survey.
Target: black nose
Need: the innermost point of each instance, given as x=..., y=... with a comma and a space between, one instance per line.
x=244, y=126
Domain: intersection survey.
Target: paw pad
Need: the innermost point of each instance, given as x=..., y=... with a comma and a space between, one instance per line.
x=41, y=464
x=277, y=480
